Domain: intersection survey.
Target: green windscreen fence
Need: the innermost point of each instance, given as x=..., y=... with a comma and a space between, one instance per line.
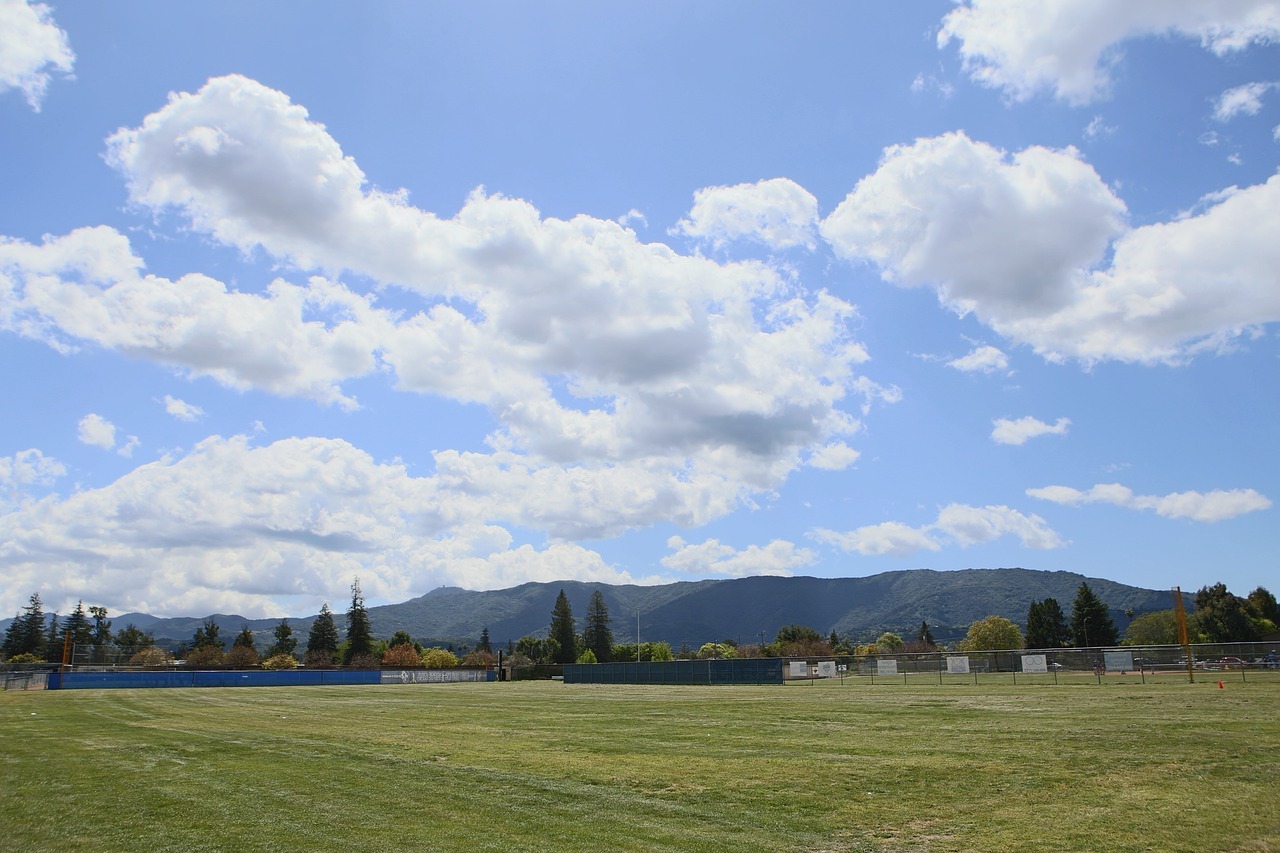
x=733, y=671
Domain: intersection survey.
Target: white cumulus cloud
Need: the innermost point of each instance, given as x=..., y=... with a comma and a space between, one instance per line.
x=1069, y=47
x=181, y=409
x=1019, y=240
x=236, y=528
x=1241, y=100
x=712, y=557
x=778, y=213
x=586, y=345
x=983, y=359
x=1006, y=431
x=24, y=469
x=97, y=431
x=957, y=524
x=32, y=49
x=1217, y=505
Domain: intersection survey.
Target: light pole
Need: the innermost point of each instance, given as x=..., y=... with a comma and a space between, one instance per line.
x=637, y=636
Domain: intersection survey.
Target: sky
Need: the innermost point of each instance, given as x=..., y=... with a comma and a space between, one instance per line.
x=472, y=295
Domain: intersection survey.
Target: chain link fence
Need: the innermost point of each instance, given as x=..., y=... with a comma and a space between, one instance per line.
x=1207, y=662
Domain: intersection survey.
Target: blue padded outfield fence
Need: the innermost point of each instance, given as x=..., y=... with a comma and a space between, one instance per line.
x=97, y=680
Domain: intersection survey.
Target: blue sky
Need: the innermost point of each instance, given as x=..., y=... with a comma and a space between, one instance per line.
x=480, y=294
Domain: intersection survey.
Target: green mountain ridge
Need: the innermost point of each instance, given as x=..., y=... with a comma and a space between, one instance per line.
x=695, y=612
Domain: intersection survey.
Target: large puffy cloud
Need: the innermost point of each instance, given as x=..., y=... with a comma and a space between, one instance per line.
x=87, y=286
x=1068, y=47
x=1018, y=241
x=665, y=357
x=778, y=213
x=32, y=49
x=255, y=530
x=712, y=557
x=1217, y=505
x=959, y=524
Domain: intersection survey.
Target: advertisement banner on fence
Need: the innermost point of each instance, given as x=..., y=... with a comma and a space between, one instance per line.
x=1035, y=663
x=1118, y=661
x=958, y=664
x=886, y=667
x=435, y=676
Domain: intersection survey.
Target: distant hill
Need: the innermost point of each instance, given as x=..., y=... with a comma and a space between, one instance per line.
x=696, y=612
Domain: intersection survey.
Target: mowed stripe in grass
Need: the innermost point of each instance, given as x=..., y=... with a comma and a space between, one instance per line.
x=542, y=766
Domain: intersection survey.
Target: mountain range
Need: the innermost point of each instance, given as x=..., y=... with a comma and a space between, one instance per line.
x=695, y=612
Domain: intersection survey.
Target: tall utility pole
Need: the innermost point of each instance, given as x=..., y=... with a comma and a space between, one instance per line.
x=637, y=636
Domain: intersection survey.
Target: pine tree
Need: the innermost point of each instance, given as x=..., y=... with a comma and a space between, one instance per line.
x=78, y=625
x=244, y=638
x=322, y=642
x=563, y=631
x=484, y=645
x=101, y=634
x=1047, y=625
x=1091, y=624
x=359, y=632
x=924, y=636
x=53, y=641
x=26, y=634
x=596, y=634
x=285, y=641
x=207, y=635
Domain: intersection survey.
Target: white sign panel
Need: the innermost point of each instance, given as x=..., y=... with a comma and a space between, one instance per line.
x=799, y=669
x=958, y=665
x=1035, y=663
x=826, y=669
x=886, y=667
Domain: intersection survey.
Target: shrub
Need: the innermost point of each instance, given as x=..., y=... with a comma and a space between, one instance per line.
x=241, y=657
x=205, y=656
x=151, y=656
x=280, y=662
x=363, y=660
x=319, y=659
x=439, y=659
x=587, y=656
x=402, y=655
x=480, y=658
x=25, y=657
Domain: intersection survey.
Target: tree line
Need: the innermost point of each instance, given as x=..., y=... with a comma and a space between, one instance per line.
x=1219, y=617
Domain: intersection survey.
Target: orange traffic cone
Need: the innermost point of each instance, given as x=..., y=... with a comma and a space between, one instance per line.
x=1221, y=686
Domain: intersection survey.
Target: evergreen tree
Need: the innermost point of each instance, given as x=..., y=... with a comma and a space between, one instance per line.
x=285, y=641
x=596, y=635
x=244, y=638
x=1047, y=625
x=924, y=636
x=134, y=639
x=26, y=634
x=53, y=641
x=207, y=635
x=322, y=642
x=485, y=645
x=101, y=634
x=359, y=632
x=80, y=629
x=563, y=631
x=1091, y=624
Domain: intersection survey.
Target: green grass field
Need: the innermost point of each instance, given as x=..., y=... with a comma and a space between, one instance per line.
x=549, y=766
